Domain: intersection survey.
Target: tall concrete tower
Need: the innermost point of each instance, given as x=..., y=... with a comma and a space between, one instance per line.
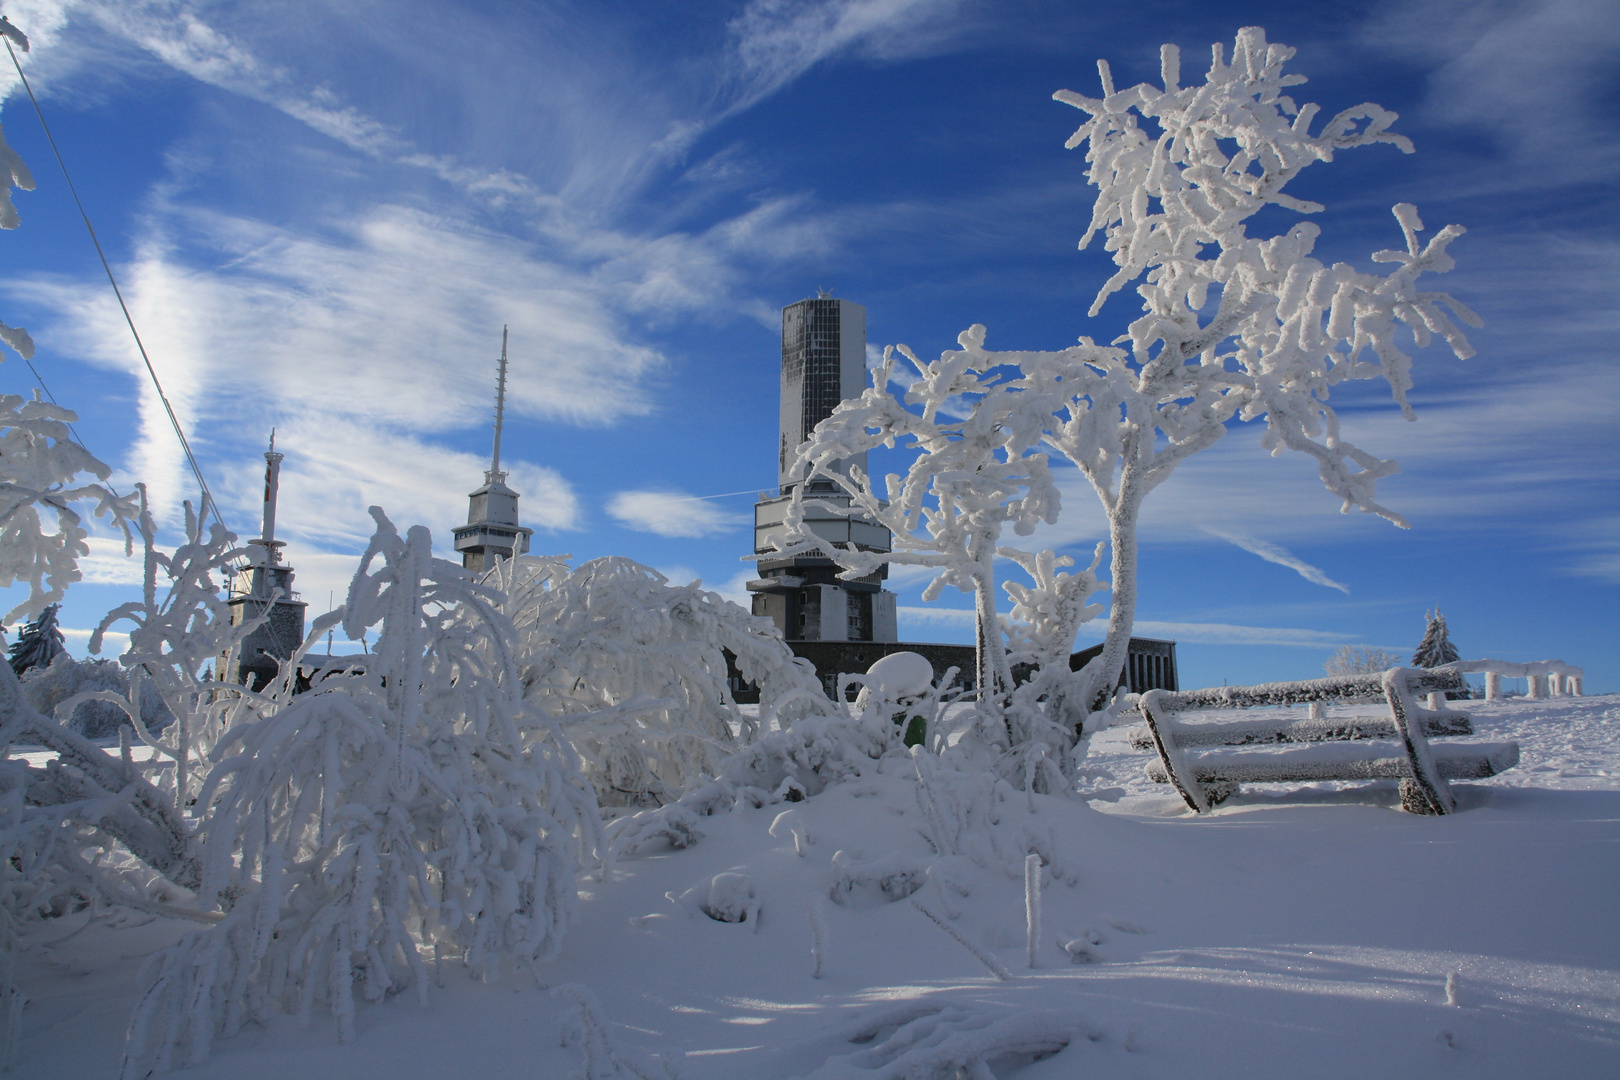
x=823, y=363
x=492, y=530
x=263, y=587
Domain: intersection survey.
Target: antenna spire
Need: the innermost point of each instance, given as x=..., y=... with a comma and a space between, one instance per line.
x=495, y=475
x=272, y=483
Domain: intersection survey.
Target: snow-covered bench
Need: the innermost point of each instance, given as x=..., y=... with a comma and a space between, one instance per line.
x=1202, y=762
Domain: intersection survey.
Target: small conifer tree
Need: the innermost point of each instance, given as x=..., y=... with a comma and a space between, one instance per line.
x=39, y=643
x=1436, y=647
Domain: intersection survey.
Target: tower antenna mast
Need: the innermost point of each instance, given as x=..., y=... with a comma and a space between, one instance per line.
x=495, y=473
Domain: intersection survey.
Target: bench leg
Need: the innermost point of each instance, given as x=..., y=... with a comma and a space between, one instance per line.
x=1175, y=763
x=1429, y=793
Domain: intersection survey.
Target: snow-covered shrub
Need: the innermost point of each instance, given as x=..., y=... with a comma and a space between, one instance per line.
x=46, y=688
x=93, y=827
x=415, y=811
x=180, y=635
x=634, y=671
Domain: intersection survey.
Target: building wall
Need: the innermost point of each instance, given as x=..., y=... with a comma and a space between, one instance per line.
x=1150, y=664
x=885, y=617
x=834, y=622
x=270, y=643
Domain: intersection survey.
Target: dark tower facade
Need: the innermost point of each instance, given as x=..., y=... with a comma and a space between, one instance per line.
x=823, y=364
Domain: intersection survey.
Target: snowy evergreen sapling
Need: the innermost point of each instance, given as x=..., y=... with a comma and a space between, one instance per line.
x=1436, y=648
x=39, y=643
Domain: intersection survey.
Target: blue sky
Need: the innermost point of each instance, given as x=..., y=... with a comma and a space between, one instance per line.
x=322, y=215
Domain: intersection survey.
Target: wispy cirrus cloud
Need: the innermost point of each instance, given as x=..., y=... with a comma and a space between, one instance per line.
x=316, y=336
x=773, y=42
x=1275, y=553
x=960, y=621
x=671, y=513
x=1533, y=78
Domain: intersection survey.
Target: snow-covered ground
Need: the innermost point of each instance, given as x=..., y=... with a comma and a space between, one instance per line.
x=1296, y=932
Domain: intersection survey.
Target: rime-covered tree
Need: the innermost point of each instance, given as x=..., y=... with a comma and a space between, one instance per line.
x=1359, y=660
x=1436, y=647
x=39, y=643
x=632, y=669
x=40, y=464
x=1233, y=328
x=974, y=475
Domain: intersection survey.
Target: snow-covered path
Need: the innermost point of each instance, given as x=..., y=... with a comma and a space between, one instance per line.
x=1298, y=933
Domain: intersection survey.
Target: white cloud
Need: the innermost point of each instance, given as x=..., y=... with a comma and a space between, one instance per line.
x=668, y=513
x=360, y=350
x=736, y=588
x=961, y=619
x=947, y=616
x=1533, y=77
x=113, y=643
x=776, y=41
x=108, y=565
x=1274, y=553
x=1227, y=634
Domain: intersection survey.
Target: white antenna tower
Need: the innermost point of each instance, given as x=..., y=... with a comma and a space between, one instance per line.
x=495, y=475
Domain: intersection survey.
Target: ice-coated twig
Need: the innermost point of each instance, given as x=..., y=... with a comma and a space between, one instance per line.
x=1032, y=904
x=991, y=963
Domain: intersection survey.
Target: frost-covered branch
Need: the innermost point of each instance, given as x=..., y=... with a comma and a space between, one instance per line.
x=40, y=470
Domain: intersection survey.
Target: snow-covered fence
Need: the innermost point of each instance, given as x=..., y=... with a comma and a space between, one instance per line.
x=1364, y=748
x=1544, y=678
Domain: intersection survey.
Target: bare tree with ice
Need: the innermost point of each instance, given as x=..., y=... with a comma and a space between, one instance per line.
x=1233, y=327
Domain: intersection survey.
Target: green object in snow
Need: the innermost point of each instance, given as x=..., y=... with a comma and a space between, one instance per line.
x=916, y=729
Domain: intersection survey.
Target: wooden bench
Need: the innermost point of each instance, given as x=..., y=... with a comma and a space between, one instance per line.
x=1199, y=759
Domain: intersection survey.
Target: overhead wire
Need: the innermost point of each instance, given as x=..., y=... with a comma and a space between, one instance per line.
x=174, y=420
